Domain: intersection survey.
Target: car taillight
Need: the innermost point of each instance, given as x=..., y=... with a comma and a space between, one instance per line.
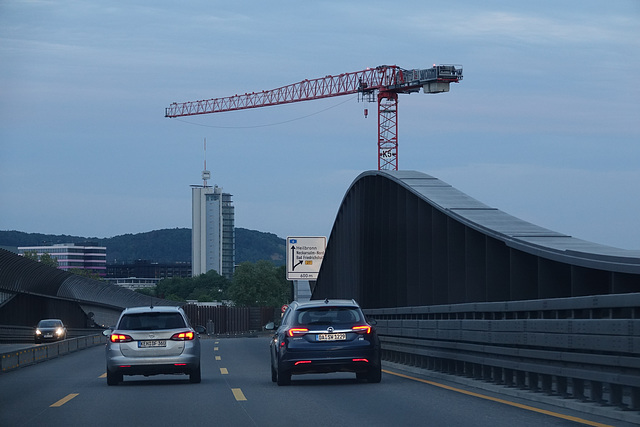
x=183, y=336
x=297, y=331
x=365, y=329
x=120, y=338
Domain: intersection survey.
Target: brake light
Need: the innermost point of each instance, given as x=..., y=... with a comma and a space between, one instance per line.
x=365, y=329
x=183, y=336
x=300, y=362
x=120, y=338
x=361, y=360
x=297, y=331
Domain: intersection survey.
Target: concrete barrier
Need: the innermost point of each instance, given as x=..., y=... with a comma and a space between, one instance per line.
x=28, y=356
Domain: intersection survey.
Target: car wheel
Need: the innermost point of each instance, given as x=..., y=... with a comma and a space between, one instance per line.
x=360, y=376
x=113, y=378
x=283, y=376
x=375, y=374
x=274, y=374
x=195, y=376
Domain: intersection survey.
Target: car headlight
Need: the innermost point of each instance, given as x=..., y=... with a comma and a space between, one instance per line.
x=38, y=332
x=59, y=331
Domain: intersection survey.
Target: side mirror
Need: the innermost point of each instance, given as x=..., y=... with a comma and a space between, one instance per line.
x=270, y=326
x=201, y=329
x=107, y=332
x=372, y=322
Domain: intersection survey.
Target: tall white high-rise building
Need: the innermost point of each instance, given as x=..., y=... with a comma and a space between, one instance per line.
x=213, y=242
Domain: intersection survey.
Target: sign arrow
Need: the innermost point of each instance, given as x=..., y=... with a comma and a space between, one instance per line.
x=293, y=257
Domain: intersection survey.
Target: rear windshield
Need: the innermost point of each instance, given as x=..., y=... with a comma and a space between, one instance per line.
x=327, y=316
x=151, y=321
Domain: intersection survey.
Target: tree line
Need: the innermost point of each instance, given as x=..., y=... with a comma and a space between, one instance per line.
x=259, y=284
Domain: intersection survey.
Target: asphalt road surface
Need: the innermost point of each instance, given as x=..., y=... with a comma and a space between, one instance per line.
x=236, y=390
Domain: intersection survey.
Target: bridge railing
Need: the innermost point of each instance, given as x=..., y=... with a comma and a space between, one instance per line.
x=587, y=348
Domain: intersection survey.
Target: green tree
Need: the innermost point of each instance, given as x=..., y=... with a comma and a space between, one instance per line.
x=85, y=273
x=207, y=287
x=45, y=258
x=260, y=285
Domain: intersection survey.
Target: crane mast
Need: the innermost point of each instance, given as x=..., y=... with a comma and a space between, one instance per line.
x=386, y=80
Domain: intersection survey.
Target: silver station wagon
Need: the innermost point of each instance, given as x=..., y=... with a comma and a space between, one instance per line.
x=151, y=341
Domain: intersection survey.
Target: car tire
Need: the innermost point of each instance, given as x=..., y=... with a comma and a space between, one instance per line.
x=375, y=374
x=283, y=376
x=113, y=378
x=274, y=374
x=195, y=376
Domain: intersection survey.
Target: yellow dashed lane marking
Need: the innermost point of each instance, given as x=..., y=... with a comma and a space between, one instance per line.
x=224, y=371
x=218, y=358
x=215, y=348
x=239, y=395
x=505, y=402
x=103, y=375
x=64, y=400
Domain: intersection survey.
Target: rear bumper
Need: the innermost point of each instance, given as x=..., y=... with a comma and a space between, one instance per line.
x=181, y=364
x=357, y=360
x=153, y=369
x=321, y=366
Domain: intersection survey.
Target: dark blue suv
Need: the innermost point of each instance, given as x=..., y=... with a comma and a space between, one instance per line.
x=322, y=337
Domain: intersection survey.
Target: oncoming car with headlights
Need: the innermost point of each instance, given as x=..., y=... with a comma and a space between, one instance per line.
x=322, y=337
x=151, y=341
x=50, y=330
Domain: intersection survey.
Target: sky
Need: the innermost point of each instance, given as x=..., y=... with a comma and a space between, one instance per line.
x=544, y=126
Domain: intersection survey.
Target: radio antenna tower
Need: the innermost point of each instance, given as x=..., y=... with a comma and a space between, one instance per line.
x=205, y=173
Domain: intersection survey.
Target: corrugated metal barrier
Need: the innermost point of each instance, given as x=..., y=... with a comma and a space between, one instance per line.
x=229, y=320
x=587, y=348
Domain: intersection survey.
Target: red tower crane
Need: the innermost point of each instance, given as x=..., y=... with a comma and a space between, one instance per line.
x=387, y=80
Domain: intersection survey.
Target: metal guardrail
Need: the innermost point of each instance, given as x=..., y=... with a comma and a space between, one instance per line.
x=38, y=353
x=587, y=348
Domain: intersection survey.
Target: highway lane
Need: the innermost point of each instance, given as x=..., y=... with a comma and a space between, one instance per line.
x=236, y=390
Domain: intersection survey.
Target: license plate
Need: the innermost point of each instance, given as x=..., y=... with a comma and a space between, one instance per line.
x=332, y=337
x=48, y=335
x=152, y=343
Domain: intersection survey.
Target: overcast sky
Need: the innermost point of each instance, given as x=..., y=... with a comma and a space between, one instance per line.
x=545, y=125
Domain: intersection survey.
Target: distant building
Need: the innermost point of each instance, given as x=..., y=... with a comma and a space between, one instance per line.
x=143, y=269
x=212, y=231
x=72, y=256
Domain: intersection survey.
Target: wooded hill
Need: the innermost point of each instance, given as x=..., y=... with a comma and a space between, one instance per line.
x=162, y=246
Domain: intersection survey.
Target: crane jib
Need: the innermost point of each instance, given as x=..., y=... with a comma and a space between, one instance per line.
x=385, y=77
